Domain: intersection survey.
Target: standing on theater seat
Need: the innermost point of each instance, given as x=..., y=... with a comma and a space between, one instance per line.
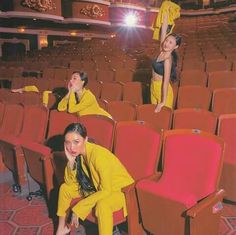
x=95, y=176
x=80, y=100
x=163, y=71
x=164, y=23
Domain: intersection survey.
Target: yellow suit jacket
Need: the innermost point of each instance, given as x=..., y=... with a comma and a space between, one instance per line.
x=108, y=175
x=87, y=104
x=170, y=9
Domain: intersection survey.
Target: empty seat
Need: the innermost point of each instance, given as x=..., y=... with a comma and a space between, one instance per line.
x=193, y=78
x=187, y=191
x=159, y=121
x=227, y=130
x=191, y=118
x=132, y=92
x=194, y=97
x=122, y=110
x=223, y=101
x=111, y=91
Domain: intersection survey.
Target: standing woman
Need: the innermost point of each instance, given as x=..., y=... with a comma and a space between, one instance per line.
x=94, y=175
x=80, y=100
x=165, y=20
x=164, y=70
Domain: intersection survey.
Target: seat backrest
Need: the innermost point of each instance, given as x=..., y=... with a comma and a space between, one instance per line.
x=123, y=75
x=34, y=123
x=194, y=97
x=159, y=121
x=31, y=98
x=111, y=91
x=10, y=124
x=195, y=119
x=95, y=87
x=192, y=162
x=132, y=92
x=138, y=147
x=223, y=101
x=227, y=130
x=105, y=75
x=122, y=110
x=221, y=79
x=2, y=110
x=193, y=78
x=58, y=121
x=100, y=129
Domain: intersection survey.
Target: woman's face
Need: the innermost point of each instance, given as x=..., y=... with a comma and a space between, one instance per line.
x=75, y=143
x=169, y=44
x=76, y=81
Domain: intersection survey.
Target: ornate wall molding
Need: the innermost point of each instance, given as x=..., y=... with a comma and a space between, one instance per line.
x=93, y=11
x=39, y=5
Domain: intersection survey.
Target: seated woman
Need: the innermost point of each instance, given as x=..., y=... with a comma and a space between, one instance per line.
x=163, y=71
x=80, y=100
x=94, y=175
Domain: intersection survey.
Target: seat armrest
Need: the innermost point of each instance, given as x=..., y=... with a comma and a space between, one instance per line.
x=211, y=201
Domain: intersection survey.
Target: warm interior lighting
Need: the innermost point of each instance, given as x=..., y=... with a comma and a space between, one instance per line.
x=73, y=33
x=131, y=19
x=21, y=29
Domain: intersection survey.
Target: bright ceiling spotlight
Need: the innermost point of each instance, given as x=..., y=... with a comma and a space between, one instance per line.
x=131, y=19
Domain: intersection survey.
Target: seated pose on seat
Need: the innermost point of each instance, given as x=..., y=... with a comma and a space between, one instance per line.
x=164, y=70
x=80, y=100
x=95, y=176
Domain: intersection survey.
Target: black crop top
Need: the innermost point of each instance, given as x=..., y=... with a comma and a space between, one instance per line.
x=158, y=67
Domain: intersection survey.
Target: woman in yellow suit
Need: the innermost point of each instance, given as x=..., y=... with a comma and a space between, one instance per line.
x=96, y=176
x=163, y=71
x=80, y=100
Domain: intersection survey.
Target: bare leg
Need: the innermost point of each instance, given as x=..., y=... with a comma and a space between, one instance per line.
x=62, y=229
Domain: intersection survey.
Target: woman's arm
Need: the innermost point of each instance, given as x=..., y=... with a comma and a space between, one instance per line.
x=166, y=80
x=164, y=27
x=62, y=105
x=86, y=101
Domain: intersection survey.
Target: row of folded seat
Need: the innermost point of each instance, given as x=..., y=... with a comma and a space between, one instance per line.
x=136, y=144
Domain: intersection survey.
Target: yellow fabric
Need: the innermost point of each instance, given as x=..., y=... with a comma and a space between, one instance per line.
x=172, y=10
x=109, y=177
x=156, y=92
x=31, y=88
x=46, y=97
x=87, y=104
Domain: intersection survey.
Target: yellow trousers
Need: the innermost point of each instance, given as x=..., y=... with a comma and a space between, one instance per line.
x=104, y=208
x=156, y=93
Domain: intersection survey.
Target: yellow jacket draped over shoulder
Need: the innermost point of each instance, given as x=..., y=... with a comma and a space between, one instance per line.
x=173, y=12
x=87, y=104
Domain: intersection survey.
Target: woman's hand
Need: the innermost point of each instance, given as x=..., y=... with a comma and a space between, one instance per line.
x=70, y=158
x=158, y=108
x=75, y=220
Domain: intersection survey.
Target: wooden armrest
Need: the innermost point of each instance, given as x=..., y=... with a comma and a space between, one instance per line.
x=211, y=200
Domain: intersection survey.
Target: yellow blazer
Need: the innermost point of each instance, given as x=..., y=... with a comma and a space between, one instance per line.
x=30, y=88
x=108, y=175
x=173, y=12
x=87, y=104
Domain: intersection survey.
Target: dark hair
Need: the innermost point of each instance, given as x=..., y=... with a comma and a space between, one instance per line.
x=85, y=182
x=83, y=75
x=175, y=1
x=178, y=40
x=76, y=127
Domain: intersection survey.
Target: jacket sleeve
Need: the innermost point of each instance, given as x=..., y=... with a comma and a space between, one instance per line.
x=31, y=88
x=85, y=102
x=70, y=176
x=62, y=106
x=104, y=169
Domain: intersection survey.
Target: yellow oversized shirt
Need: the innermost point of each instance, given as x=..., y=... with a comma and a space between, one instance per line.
x=172, y=10
x=87, y=104
x=108, y=175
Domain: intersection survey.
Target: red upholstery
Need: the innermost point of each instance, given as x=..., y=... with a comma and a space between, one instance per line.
x=191, y=118
x=227, y=130
x=192, y=167
x=33, y=130
x=159, y=121
x=122, y=110
x=100, y=129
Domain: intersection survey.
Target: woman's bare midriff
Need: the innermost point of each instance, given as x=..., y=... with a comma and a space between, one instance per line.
x=156, y=77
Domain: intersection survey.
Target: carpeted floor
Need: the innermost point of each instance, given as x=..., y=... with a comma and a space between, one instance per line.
x=21, y=217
